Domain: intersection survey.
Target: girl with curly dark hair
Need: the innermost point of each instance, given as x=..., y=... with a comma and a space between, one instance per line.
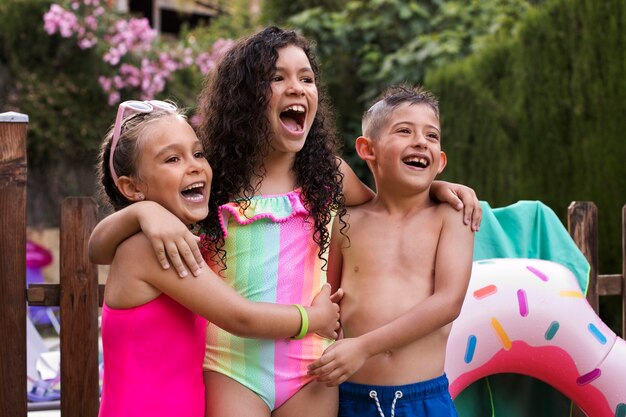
x=278, y=182
x=154, y=156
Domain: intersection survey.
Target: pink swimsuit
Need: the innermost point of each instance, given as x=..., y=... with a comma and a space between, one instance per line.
x=152, y=361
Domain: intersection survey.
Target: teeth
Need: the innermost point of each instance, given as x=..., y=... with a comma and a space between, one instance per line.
x=194, y=185
x=422, y=161
x=296, y=108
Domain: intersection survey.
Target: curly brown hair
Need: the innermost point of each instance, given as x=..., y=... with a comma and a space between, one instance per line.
x=235, y=133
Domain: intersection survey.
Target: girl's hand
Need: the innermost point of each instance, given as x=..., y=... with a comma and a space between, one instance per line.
x=171, y=240
x=460, y=197
x=339, y=362
x=324, y=314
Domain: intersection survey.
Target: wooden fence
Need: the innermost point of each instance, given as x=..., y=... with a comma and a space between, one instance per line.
x=582, y=222
x=79, y=295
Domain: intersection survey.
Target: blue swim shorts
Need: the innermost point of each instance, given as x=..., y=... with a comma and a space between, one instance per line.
x=424, y=399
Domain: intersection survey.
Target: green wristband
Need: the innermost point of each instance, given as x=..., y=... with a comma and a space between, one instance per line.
x=304, y=322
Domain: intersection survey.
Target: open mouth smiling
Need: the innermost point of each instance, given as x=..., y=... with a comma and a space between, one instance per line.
x=416, y=161
x=293, y=118
x=194, y=192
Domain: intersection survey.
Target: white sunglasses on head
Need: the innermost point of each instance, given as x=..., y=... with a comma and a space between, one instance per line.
x=133, y=107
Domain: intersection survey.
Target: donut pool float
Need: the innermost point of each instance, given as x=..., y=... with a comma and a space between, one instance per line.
x=529, y=316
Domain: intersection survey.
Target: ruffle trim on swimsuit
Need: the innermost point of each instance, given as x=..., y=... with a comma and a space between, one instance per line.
x=276, y=207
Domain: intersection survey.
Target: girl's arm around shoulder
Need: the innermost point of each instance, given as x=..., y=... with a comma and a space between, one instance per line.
x=460, y=197
x=354, y=190
x=169, y=237
x=209, y=296
x=111, y=231
x=335, y=255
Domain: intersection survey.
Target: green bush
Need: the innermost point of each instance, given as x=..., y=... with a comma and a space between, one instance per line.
x=540, y=117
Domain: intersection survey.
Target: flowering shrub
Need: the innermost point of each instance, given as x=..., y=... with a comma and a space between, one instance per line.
x=136, y=59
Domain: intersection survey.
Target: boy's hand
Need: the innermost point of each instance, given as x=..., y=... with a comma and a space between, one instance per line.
x=324, y=314
x=171, y=240
x=339, y=362
x=460, y=197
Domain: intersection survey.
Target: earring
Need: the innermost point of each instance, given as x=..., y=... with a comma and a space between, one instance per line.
x=140, y=197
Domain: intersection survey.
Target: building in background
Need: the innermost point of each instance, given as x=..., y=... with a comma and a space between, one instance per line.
x=168, y=16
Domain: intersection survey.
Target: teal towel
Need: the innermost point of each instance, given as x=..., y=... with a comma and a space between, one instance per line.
x=529, y=229
x=526, y=229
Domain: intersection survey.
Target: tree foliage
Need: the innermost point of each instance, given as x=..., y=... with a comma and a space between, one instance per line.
x=370, y=44
x=276, y=12
x=539, y=116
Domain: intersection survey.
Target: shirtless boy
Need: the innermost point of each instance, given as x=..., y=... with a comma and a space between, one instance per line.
x=404, y=265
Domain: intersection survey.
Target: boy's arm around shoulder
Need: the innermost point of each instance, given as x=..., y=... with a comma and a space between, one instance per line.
x=211, y=297
x=453, y=265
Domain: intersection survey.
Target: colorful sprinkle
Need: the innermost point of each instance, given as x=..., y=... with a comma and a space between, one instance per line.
x=523, y=303
x=620, y=410
x=573, y=294
x=597, y=333
x=470, y=348
x=588, y=377
x=506, y=342
x=554, y=327
x=537, y=272
x=485, y=291
x=485, y=262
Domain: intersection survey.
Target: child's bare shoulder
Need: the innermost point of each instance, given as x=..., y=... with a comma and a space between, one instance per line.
x=364, y=211
x=138, y=241
x=446, y=211
x=137, y=247
x=451, y=219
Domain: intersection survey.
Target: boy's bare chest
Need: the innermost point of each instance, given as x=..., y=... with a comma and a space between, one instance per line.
x=407, y=246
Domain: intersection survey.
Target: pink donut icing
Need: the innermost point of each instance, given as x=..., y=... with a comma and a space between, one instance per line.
x=528, y=316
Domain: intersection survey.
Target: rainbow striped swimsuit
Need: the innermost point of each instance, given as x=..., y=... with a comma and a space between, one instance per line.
x=270, y=257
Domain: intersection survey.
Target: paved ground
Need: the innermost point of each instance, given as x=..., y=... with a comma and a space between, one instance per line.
x=49, y=413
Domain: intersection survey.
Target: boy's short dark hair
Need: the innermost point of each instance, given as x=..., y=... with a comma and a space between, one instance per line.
x=376, y=116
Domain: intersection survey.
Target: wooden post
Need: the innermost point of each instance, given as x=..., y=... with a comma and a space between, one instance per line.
x=79, y=311
x=582, y=223
x=13, y=128
x=624, y=272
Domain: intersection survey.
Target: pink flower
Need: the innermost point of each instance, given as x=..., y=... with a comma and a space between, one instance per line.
x=135, y=61
x=91, y=22
x=105, y=82
x=114, y=98
x=57, y=19
x=87, y=42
